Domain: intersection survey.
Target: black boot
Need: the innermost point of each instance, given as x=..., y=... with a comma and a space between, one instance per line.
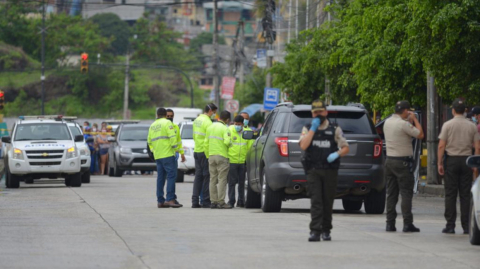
x=391, y=227
x=410, y=228
x=314, y=237
x=448, y=230
x=326, y=236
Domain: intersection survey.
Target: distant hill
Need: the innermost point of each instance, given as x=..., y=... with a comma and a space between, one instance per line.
x=13, y=58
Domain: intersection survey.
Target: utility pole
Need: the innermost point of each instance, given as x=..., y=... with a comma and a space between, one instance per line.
x=42, y=78
x=327, y=81
x=307, y=26
x=296, y=18
x=289, y=20
x=216, y=78
x=432, y=131
x=242, y=47
x=125, y=93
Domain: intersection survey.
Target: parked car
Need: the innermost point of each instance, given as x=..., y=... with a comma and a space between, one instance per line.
x=128, y=150
x=82, y=146
x=186, y=132
x=275, y=173
x=474, y=227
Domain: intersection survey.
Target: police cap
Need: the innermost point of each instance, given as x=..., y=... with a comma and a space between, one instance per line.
x=402, y=105
x=318, y=105
x=475, y=110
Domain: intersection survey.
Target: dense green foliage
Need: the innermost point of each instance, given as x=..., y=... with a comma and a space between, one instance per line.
x=378, y=52
x=110, y=25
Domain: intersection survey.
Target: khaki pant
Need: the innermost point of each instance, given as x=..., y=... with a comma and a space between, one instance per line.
x=218, y=167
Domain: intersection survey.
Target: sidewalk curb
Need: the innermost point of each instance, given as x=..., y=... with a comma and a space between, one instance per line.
x=431, y=189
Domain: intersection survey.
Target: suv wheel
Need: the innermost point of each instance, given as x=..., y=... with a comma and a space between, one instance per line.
x=474, y=230
x=86, y=177
x=13, y=181
x=75, y=180
x=116, y=171
x=271, y=200
x=180, y=176
x=350, y=205
x=252, y=199
x=375, y=202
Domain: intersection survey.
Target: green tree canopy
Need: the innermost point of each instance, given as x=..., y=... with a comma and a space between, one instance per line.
x=110, y=25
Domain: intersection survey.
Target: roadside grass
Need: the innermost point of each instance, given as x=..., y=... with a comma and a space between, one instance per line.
x=20, y=79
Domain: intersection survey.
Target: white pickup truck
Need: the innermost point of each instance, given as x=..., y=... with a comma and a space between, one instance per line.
x=41, y=147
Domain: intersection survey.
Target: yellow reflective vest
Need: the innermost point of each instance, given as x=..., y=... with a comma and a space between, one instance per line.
x=217, y=140
x=162, y=139
x=200, y=126
x=238, y=151
x=179, y=139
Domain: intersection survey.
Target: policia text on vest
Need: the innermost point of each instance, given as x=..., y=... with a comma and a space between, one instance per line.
x=324, y=145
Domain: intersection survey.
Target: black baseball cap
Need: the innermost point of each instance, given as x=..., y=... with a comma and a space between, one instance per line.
x=459, y=105
x=475, y=110
x=401, y=105
x=318, y=105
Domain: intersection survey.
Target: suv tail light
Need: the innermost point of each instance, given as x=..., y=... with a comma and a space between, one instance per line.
x=377, y=148
x=282, y=144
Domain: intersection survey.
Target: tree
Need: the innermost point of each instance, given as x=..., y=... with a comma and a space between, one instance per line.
x=110, y=25
x=157, y=44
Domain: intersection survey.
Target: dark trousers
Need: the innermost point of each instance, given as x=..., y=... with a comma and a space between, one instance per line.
x=321, y=187
x=236, y=175
x=201, y=182
x=458, y=180
x=399, y=181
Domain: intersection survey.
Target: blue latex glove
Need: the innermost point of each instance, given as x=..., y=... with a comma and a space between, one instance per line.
x=315, y=123
x=332, y=157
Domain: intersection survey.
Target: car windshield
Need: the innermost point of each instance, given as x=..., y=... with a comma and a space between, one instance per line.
x=134, y=134
x=350, y=122
x=42, y=131
x=187, y=131
x=75, y=131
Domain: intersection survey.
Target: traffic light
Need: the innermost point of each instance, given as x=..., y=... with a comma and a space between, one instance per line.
x=2, y=99
x=84, y=63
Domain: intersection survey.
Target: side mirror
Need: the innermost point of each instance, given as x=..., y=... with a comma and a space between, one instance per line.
x=6, y=139
x=79, y=138
x=111, y=139
x=90, y=140
x=472, y=161
x=249, y=135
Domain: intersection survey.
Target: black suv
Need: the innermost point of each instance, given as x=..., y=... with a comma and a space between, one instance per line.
x=275, y=173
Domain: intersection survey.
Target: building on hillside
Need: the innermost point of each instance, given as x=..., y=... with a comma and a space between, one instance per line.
x=229, y=14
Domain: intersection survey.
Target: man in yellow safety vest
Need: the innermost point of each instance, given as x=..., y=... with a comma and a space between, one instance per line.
x=237, y=154
x=217, y=143
x=163, y=144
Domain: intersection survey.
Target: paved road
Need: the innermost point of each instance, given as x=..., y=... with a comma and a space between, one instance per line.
x=114, y=223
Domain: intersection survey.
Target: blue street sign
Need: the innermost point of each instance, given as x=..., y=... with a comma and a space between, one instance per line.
x=270, y=98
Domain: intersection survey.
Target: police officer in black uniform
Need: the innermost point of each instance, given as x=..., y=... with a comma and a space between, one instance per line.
x=324, y=144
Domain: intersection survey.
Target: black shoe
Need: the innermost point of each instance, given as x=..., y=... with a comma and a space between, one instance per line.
x=448, y=230
x=196, y=206
x=214, y=206
x=410, y=228
x=207, y=205
x=240, y=205
x=466, y=232
x=391, y=228
x=326, y=236
x=314, y=237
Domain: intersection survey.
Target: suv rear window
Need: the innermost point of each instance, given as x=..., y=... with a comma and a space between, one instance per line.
x=350, y=122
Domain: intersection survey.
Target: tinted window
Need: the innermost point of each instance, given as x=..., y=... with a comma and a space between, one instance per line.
x=187, y=131
x=268, y=124
x=42, y=131
x=134, y=134
x=75, y=131
x=350, y=122
x=281, y=123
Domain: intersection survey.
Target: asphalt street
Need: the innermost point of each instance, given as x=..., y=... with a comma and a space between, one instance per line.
x=114, y=223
